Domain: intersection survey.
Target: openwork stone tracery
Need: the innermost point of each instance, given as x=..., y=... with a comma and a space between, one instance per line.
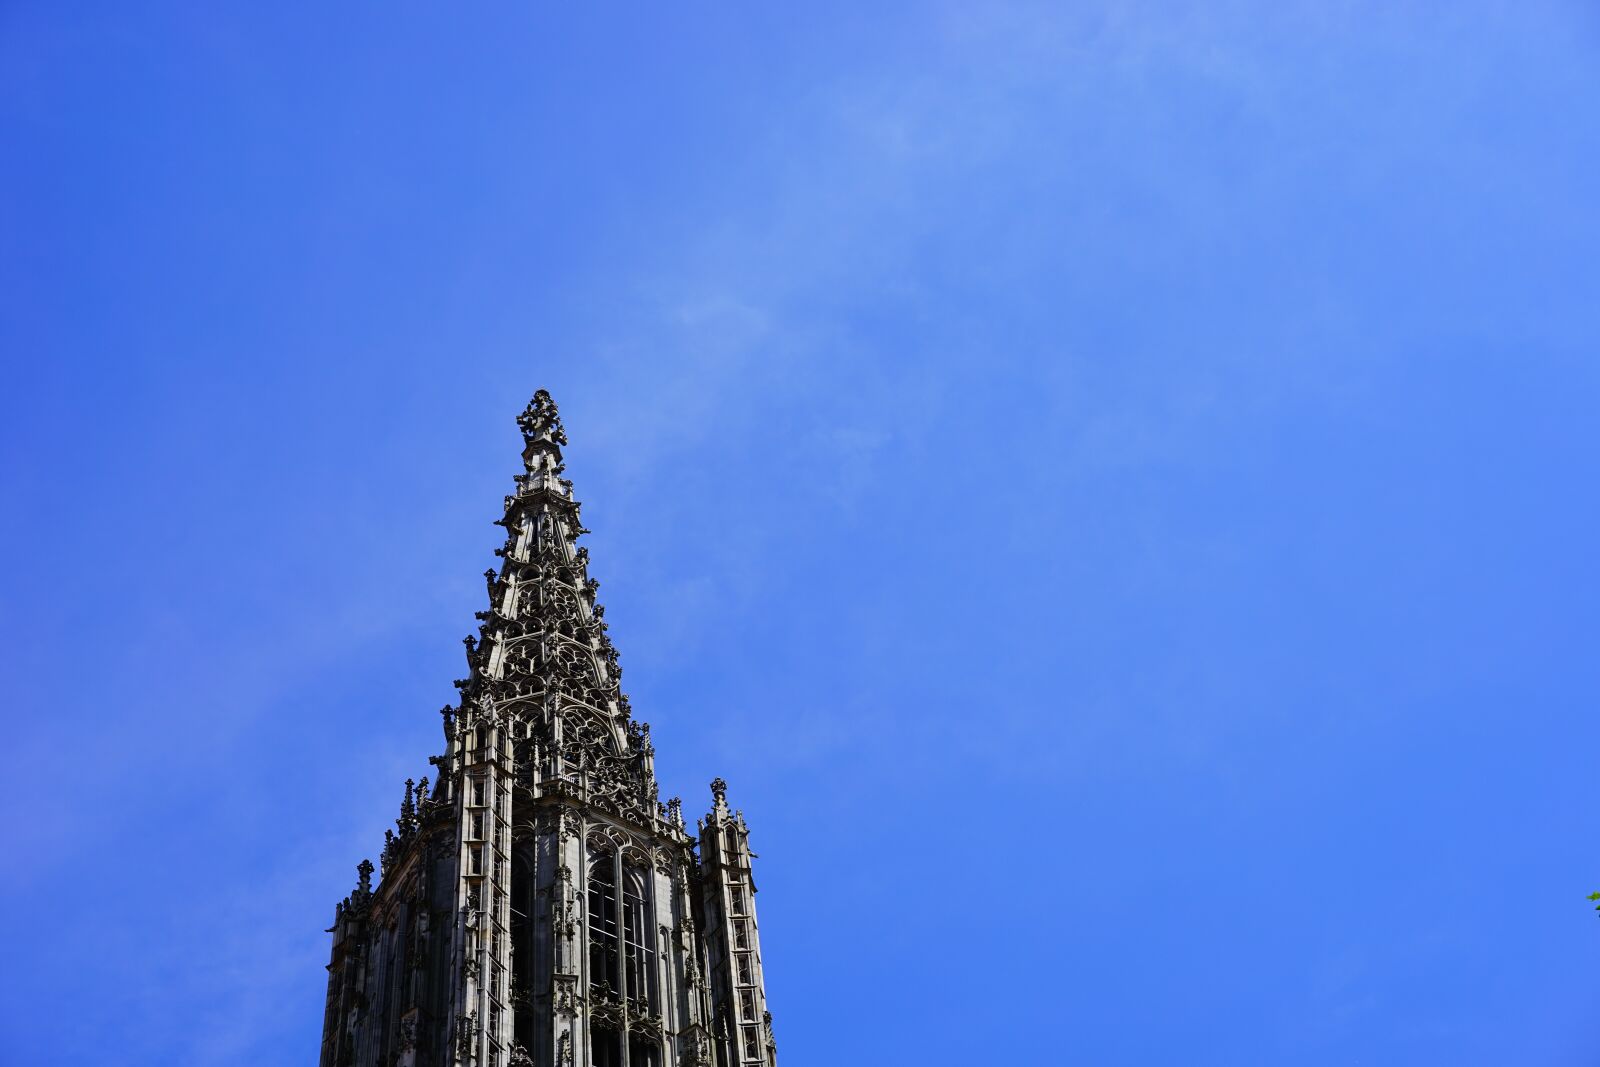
x=539, y=905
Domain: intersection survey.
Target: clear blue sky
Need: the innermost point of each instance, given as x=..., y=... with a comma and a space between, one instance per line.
x=1111, y=486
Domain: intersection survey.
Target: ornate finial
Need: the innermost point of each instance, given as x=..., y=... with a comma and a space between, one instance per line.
x=364, y=874
x=540, y=421
x=719, y=790
x=675, y=812
x=408, y=806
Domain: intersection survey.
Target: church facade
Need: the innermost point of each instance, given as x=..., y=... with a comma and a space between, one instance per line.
x=537, y=905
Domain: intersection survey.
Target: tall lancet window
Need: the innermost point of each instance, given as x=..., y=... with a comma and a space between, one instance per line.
x=638, y=942
x=603, y=922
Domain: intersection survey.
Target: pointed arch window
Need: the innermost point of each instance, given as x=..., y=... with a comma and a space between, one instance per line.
x=603, y=954
x=638, y=938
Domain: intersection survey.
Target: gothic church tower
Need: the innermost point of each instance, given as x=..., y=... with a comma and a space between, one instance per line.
x=537, y=904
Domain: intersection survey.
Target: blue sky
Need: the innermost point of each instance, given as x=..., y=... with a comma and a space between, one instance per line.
x=1109, y=485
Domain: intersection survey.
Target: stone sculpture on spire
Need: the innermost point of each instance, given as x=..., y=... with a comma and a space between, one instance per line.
x=541, y=420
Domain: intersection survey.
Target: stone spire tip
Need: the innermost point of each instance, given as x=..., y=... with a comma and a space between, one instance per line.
x=541, y=421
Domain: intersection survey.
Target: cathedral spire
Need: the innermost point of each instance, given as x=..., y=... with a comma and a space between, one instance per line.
x=538, y=904
x=542, y=657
